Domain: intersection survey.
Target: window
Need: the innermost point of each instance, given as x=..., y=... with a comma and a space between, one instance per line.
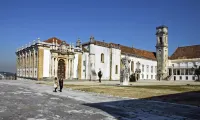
x=151, y=76
x=102, y=58
x=147, y=68
x=155, y=77
x=142, y=68
x=151, y=69
x=132, y=66
x=174, y=77
x=142, y=76
x=178, y=72
x=186, y=77
x=182, y=71
x=174, y=71
x=116, y=69
x=193, y=77
x=84, y=63
x=147, y=76
x=186, y=72
x=161, y=40
x=180, y=77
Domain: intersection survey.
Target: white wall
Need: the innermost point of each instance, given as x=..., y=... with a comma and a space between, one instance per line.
x=46, y=62
x=181, y=64
x=85, y=58
x=75, y=66
x=144, y=62
x=116, y=59
x=105, y=67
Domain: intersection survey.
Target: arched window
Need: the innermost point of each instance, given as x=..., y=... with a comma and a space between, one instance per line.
x=132, y=66
x=116, y=69
x=102, y=57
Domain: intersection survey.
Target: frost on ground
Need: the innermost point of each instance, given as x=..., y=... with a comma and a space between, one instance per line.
x=27, y=100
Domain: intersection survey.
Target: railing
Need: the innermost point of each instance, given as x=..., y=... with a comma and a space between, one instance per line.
x=176, y=67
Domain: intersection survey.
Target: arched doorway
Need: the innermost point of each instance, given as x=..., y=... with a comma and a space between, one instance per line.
x=61, y=69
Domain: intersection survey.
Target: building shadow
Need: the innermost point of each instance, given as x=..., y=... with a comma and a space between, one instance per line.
x=154, y=108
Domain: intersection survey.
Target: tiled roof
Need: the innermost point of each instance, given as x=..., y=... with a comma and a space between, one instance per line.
x=186, y=52
x=129, y=50
x=50, y=40
x=138, y=52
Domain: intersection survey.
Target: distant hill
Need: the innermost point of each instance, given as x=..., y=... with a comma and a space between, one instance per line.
x=7, y=73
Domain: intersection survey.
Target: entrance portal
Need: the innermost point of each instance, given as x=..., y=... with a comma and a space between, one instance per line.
x=61, y=69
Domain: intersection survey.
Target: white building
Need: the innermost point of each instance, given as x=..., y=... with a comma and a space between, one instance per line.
x=55, y=58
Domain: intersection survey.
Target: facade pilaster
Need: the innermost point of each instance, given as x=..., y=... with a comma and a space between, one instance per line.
x=56, y=67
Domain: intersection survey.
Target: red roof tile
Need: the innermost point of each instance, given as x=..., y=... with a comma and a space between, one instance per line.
x=129, y=50
x=186, y=52
x=50, y=40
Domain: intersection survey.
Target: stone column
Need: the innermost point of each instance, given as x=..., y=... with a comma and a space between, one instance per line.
x=68, y=68
x=52, y=67
x=34, y=63
x=25, y=64
x=50, y=64
x=72, y=68
x=56, y=67
x=30, y=65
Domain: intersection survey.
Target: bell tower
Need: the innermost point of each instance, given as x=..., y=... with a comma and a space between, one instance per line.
x=162, y=52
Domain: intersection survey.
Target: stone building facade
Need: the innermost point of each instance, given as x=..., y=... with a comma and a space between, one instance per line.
x=55, y=58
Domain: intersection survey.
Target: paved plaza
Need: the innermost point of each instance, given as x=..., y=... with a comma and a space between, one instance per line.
x=27, y=100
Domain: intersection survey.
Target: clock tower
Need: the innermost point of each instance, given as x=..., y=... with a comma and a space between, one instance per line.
x=162, y=52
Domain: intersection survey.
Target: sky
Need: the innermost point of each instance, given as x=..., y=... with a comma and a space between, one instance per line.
x=126, y=22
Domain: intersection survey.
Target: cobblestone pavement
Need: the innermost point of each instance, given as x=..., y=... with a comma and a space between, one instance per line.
x=26, y=100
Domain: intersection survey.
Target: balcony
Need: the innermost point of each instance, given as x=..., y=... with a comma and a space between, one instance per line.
x=180, y=67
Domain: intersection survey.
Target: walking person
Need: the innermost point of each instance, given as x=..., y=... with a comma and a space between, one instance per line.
x=61, y=84
x=55, y=84
x=100, y=75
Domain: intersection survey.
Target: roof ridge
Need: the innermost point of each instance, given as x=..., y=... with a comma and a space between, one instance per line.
x=189, y=46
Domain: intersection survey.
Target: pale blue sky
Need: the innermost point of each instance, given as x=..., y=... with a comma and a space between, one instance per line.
x=127, y=22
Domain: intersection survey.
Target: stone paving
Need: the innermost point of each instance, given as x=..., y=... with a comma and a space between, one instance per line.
x=26, y=100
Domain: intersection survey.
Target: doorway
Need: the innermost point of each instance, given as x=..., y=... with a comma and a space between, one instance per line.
x=61, y=69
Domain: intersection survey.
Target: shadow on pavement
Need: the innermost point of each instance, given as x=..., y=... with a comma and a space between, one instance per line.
x=152, y=108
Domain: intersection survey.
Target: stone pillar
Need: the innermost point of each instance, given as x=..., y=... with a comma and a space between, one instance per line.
x=184, y=71
x=33, y=71
x=68, y=68
x=30, y=64
x=25, y=64
x=52, y=66
x=34, y=63
x=56, y=67
x=72, y=68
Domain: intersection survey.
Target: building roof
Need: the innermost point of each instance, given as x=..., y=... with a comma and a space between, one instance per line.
x=186, y=52
x=129, y=50
x=138, y=52
x=50, y=40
